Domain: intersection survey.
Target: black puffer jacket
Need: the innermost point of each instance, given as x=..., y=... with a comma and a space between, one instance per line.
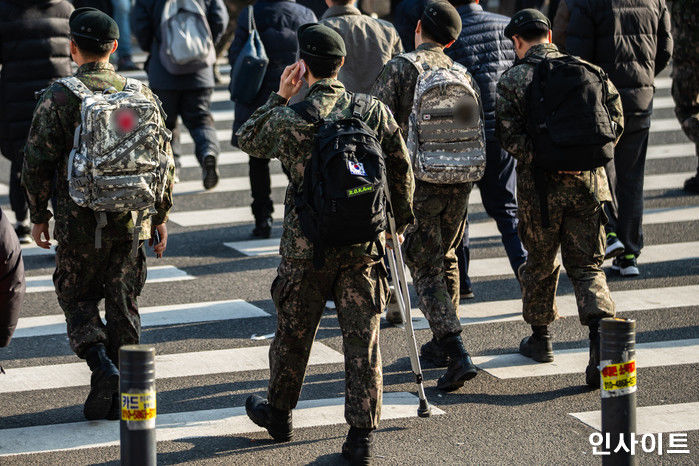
x=405, y=18
x=277, y=22
x=629, y=39
x=34, y=50
x=484, y=50
x=12, y=280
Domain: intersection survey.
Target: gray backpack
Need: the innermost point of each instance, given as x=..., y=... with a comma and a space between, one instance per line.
x=186, y=44
x=446, y=138
x=117, y=163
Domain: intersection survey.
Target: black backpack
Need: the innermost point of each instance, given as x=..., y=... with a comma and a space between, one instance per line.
x=342, y=200
x=568, y=119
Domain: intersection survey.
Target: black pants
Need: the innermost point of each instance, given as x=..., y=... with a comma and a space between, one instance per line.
x=498, y=193
x=260, y=186
x=12, y=150
x=194, y=107
x=625, y=175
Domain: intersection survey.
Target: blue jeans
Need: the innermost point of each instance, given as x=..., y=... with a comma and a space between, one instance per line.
x=498, y=187
x=122, y=9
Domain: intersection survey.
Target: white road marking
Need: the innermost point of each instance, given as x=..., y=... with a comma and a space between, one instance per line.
x=193, y=424
x=663, y=83
x=681, y=417
x=167, y=366
x=223, y=135
x=667, y=151
x=664, y=124
x=158, y=274
x=574, y=361
x=509, y=310
x=174, y=314
x=241, y=183
x=4, y=189
x=663, y=102
x=206, y=217
x=666, y=181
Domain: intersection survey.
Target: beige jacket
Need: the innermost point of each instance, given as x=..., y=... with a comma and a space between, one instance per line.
x=370, y=43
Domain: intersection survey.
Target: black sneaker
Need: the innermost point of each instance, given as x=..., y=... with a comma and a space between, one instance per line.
x=263, y=228
x=24, y=232
x=537, y=347
x=209, y=172
x=691, y=185
x=433, y=353
x=358, y=446
x=614, y=246
x=626, y=265
x=466, y=292
x=276, y=421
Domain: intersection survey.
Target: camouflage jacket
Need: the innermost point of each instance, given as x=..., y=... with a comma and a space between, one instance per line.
x=395, y=86
x=276, y=131
x=46, y=159
x=511, y=124
x=684, y=15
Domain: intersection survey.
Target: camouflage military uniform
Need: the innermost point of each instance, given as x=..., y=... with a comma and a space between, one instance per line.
x=84, y=275
x=354, y=274
x=575, y=214
x=685, y=65
x=440, y=210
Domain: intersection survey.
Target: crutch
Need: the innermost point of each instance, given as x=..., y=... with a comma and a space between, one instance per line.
x=400, y=283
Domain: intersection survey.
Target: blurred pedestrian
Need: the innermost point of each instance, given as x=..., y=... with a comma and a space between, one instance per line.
x=484, y=50
x=185, y=95
x=405, y=18
x=317, y=6
x=630, y=40
x=12, y=281
x=34, y=50
x=121, y=12
x=277, y=22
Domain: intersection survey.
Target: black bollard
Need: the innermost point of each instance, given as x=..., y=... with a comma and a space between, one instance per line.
x=138, y=406
x=618, y=388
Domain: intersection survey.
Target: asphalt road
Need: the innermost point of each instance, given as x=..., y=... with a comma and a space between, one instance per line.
x=511, y=416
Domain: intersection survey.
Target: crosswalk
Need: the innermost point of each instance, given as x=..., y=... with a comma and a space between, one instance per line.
x=205, y=308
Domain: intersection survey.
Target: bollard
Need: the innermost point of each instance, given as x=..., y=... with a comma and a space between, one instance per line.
x=138, y=405
x=618, y=388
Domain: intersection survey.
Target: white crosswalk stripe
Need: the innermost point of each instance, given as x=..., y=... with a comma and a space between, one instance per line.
x=679, y=417
x=178, y=426
x=157, y=274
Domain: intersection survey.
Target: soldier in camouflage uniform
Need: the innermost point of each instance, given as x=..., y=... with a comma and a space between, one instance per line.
x=684, y=15
x=440, y=210
x=574, y=204
x=85, y=275
x=353, y=275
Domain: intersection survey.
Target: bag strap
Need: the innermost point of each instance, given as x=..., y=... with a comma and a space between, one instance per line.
x=360, y=105
x=133, y=85
x=252, y=26
x=76, y=86
x=421, y=67
x=307, y=111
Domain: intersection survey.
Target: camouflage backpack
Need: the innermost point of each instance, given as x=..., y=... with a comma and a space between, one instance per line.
x=117, y=164
x=446, y=138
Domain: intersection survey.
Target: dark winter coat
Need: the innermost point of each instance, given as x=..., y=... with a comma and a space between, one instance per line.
x=277, y=22
x=405, y=18
x=34, y=51
x=145, y=24
x=630, y=40
x=484, y=50
x=12, y=281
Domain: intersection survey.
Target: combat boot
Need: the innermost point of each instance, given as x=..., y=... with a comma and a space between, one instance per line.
x=104, y=383
x=433, y=353
x=276, y=421
x=592, y=377
x=114, y=413
x=460, y=368
x=358, y=446
x=538, y=345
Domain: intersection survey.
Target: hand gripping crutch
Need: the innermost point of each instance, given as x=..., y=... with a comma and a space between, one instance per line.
x=400, y=283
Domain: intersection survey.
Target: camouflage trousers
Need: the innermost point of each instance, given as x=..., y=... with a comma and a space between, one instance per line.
x=430, y=252
x=360, y=289
x=84, y=276
x=576, y=227
x=685, y=93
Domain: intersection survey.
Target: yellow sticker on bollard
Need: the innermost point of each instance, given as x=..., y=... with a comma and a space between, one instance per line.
x=618, y=379
x=138, y=406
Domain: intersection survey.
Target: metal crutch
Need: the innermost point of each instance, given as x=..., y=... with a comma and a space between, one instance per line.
x=400, y=283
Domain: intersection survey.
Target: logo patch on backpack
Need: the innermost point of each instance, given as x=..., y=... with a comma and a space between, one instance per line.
x=125, y=120
x=360, y=190
x=356, y=168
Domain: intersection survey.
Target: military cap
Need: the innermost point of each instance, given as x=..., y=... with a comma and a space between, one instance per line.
x=441, y=21
x=527, y=20
x=91, y=23
x=318, y=40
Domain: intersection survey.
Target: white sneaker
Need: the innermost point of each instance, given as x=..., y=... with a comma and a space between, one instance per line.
x=626, y=266
x=614, y=247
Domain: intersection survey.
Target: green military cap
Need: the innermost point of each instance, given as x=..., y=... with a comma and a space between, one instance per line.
x=441, y=21
x=318, y=40
x=527, y=20
x=91, y=23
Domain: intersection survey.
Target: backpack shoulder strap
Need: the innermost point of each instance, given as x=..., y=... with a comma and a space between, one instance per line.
x=412, y=58
x=76, y=86
x=133, y=85
x=360, y=105
x=307, y=111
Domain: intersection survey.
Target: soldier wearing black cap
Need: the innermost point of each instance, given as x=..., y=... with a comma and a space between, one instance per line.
x=440, y=209
x=84, y=275
x=354, y=275
x=575, y=219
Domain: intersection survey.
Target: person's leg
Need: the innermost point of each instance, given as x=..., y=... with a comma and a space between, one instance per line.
x=629, y=161
x=122, y=10
x=196, y=116
x=685, y=93
x=453, y=224
x=18, y=198
x=498, y=192
x=170, y=101
x=260, y=187
x=463, y=257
